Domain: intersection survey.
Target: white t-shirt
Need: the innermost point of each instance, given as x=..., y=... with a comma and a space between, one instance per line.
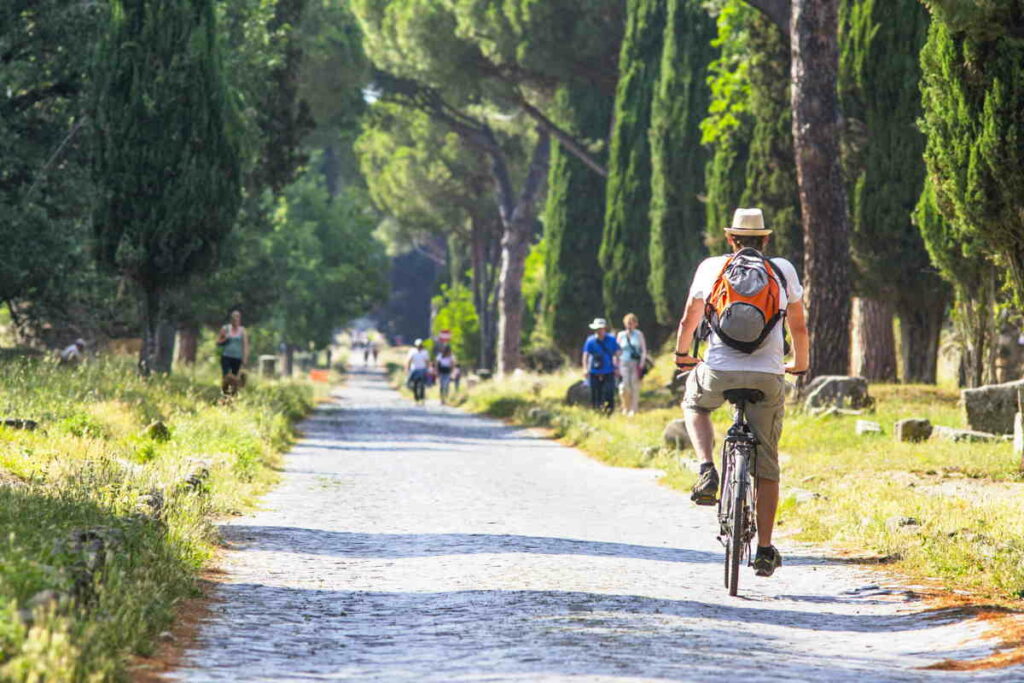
x=419, y=360
x=769, y=357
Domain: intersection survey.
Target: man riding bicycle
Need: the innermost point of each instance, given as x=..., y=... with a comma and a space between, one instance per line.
x=733, y=362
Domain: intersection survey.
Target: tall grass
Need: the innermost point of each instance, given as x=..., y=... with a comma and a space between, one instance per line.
x=944, y=511
x=93, y=465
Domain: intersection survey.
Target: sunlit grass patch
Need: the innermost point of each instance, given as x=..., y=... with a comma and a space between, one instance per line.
x=94, y=470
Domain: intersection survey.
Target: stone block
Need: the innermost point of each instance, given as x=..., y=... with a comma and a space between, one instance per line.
x=963, y=435
x=1018, y=438
x=158, y=431
x=578, y=394
x=867, y=427
x=913, y=429
x=18, y=423
x=991, y=408
x=268, y=366
x=675, y=435
x=839, y=391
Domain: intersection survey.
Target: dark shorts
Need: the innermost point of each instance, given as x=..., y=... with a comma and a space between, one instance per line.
x=232, y=365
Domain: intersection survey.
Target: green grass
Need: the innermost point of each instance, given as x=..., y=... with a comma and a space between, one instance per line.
x=91, y=465
x=839, y=489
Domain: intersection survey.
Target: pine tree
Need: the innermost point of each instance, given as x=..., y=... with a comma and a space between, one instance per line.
x=165, y=158
x=625, y=245
x=678, y=159
x=573, y=217
x=879, y=86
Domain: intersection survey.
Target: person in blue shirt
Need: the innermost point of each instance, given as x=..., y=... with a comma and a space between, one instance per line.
x=601, y=366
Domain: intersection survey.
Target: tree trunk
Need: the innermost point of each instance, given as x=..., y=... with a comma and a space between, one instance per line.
x=188, y=343
x=920, y=326
x=814, y=43
x=331, y=167
x=515, y=244
x=517, y=223
x=165, y=333
x=874, y=355
x=150, y=323
x=288, y=361
x=484, y=299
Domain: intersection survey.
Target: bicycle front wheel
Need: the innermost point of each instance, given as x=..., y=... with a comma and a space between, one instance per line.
x=735, y=545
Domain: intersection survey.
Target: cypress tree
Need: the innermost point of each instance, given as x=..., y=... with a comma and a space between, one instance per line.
x=166, y=163
x=973, y=116
x=771, y=169
x=879, y=85
x=677, y=157
x=625, y=245
x=573, y=218
x=749, y=129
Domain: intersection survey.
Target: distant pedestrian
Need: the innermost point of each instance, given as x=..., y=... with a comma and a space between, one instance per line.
x=601, y=365
x=634, y=360
x=374, y=351
x=73, y=353
x=445, y=364
x=417, y=364
x=233, y=340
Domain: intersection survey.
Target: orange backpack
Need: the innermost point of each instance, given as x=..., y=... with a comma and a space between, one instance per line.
x=745, y=303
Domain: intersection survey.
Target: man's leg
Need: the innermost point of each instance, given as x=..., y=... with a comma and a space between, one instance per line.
x=609, y=393
x=595, y=391
x=767, y=503
x=702, y=433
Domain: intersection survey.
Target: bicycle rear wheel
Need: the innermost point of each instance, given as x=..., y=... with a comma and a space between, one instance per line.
x=735, y=545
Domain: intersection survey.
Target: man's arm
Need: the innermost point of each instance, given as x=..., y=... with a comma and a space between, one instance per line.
x=586, y=362
x=797, y=322
x=687, y=326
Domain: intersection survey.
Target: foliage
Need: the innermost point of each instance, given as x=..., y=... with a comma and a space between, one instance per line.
x=573, y=220
x=89, y=465
x=166, y=161
x=678, y=160
x=624, y=254
x=749, y=129
x=455, y=312
x=972, y=92
x=879, y=86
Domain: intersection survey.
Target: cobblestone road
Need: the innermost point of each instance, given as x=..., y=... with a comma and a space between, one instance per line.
x=423, y=544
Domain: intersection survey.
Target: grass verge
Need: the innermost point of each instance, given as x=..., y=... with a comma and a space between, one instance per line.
x=107, y=505
x=948, y=513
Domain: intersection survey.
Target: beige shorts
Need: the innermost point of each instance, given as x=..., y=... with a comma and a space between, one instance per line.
x=704, y=393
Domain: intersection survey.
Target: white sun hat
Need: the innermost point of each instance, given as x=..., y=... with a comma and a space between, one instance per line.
x=599, y=323
x=748, y=222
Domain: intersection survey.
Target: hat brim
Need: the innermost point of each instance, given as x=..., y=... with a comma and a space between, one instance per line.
x=597, y=327
x=751, y=232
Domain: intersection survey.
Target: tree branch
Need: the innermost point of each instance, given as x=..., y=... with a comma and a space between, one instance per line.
x=776, y=10
x=570, y=143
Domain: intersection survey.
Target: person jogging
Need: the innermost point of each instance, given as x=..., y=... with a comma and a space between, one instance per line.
x=600, y=366
x=746, y=300
x=233, y=340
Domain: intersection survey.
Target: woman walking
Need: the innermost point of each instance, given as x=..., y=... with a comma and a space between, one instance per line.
x=634, y=359
x=233, y=341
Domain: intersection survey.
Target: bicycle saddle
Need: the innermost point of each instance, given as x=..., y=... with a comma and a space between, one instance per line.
x=743, y=395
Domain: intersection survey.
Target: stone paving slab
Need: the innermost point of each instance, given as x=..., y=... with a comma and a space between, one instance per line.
x=412, y=543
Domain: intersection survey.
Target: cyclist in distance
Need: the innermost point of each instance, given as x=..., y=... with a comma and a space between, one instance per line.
x=752, y=357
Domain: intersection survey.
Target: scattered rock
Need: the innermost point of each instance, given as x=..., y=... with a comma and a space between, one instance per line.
x=802, y=495
x=650, y=453
x=963, y=435
x=151, y=504
x=166, y=637
x=198, y=474
x=676, y=436
x=991, y=408
x=839, y=391
x=45, y=600
x=539, y=416
x=1018, y=438
x=898, y=522
x=268, y=365
x=18, y=423
x=832, y=411
x=867, y=428
x=158, y=431
x=483, y=374
x=90, y=548
x=578, y=395
x=913, y=429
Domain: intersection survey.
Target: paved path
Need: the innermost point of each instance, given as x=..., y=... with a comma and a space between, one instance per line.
x=424, y=544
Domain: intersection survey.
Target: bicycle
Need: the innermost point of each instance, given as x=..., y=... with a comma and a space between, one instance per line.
x=736, y=504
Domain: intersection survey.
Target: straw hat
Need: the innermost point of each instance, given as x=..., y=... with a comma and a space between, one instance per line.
x=598, y=324
x=748, y=222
